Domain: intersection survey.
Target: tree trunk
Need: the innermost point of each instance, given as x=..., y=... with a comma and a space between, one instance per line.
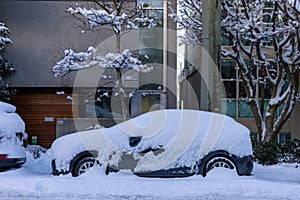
x=269, y=134
x=121, y=93
x=120, y=80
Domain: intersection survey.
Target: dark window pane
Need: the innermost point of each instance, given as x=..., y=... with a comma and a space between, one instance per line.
x=228, y=69
x=230, y=89
x=229, y=108
x=242, y=91
x=224, y=39
x=267, y=92
x=244, y=110
x=284, y=138
x=105, y=105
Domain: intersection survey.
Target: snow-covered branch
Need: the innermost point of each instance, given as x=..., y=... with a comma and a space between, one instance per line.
x=118, y=21
x=188, y=18
x=4, y=33
x=6, y=67
x=261, y=37
x=76, y=61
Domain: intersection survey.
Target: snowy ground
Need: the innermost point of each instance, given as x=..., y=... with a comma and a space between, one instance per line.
x=34, y=181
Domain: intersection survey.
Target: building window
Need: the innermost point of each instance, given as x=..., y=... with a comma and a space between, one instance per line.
x=151, y=41
x=281, y=138
x=233, y=102
x=151, y=3
x=105, y=103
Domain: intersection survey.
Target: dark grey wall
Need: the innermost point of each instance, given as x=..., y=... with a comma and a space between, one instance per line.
x=41, y=31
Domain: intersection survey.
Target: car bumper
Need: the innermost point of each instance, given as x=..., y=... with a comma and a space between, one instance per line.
x=12, y=162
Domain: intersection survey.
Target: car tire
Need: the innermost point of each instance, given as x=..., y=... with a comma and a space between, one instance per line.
x=83, y=166
x=219, y=161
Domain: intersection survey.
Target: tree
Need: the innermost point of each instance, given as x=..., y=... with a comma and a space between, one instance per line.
x=5, y=66
x=189, y=19
x=266, y=47
x=119, y=15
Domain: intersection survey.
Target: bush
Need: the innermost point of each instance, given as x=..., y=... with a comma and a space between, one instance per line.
x=36, y=150
x=270, y=153
x=265, y=153
x=290, y=152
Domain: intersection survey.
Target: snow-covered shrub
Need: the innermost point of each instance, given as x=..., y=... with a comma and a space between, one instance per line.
x=265, y=153
x=290, y=152
x=270, y=153
x=36, y=150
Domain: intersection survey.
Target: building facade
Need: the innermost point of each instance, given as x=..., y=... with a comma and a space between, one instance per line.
x=193, y=81
x=42, y=30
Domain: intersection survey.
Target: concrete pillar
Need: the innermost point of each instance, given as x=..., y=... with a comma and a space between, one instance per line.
x=211, y=39
x=170, y=57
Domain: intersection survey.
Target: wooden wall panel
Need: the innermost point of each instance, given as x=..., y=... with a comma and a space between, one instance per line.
x=36, y=105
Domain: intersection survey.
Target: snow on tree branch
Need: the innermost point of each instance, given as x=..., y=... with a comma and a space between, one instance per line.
x=266, y=39
x=83, y=60
x=117, y=20
x=119, y=16
x=188, y=18
x=6, y=67
x=4, y=33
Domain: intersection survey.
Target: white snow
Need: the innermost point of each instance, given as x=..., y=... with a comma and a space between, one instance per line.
x=117, y=20
x=60, y=92
x=188, y=15
x=4, y=33
x=185, y=136
x=75, y=61
x=69, y=98
x=10, y=124
x=34, y=181
x=5, y=107
x=10, y=121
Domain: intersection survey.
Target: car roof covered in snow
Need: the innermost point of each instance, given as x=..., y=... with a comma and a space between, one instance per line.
x=9, y=120
x=6, y=107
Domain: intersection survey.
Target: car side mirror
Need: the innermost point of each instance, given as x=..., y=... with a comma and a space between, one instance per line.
x=134, y=141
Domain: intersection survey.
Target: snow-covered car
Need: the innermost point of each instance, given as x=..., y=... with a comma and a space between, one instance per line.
x=12, y=137
x=162, y=143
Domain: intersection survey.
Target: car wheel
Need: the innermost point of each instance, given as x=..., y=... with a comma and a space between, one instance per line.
x=217, y=162
x=83, y=166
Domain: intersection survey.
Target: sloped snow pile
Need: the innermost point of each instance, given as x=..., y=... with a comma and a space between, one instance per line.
x=40, y=164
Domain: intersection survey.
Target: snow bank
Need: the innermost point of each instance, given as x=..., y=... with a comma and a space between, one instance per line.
x=266, y=183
